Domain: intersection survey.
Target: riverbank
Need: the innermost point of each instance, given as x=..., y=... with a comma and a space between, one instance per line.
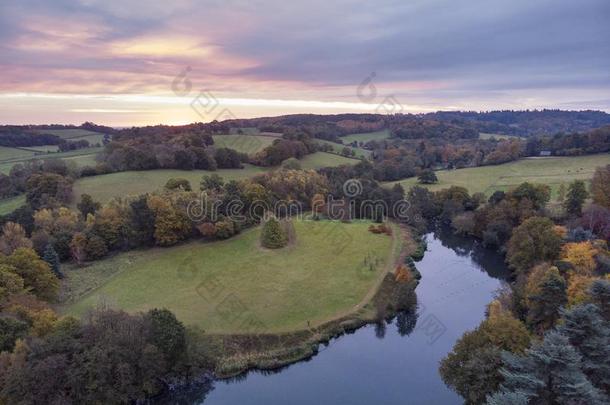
x=389, y=362
x=233, y=354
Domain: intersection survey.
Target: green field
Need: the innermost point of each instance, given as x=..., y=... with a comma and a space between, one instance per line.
x=319, y=160
x=369, y=136
x=249, y=144
x=551, y=170
x=76, y=134
x=105, y=187
x=484, y=135
x=219, y=285
x=9, y=205
x=11, y=156
x=337, y=148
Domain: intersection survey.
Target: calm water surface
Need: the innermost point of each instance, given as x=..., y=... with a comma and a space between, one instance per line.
x=395, y=363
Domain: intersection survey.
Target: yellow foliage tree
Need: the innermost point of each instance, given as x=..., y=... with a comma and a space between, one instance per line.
x=578, y=286
x=581, y=256
x=402, y=274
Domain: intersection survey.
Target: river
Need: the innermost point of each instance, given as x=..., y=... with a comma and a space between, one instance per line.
x=393, y=363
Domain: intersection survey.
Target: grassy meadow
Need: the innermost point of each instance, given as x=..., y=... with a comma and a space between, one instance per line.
x=218, y=285
x=486, y=179
x=249, y=144
x=76, y=134
x=8, y=205
x=105, y=187
x=319, y=160
x=338, y=148
x=365, y=137
x=11, y=156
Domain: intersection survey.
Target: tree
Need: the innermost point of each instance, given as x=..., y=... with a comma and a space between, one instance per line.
x=427, y=176
x=581, y=255
x=472, y=367
x=48, y=189
x=291, y=164
x=600, y=186
x=178, y=183
x=35, y=272
x=168, y=334
x=78, y=247
x=318, y=205
x=546, y=294
x=212, y=182
x=549, y=373
x=537, y=194
x=534, y=241
x=272, y=235
x=402, y=274
x=13, y=237
x=600, y=295
x=109, y=224
x=577, y=194
x=95, y=247
x=87, y=206
x=11, y=329
x=171, y=225
x=578, y=289
x=140, y=222
x=10, y=282
x=112, y=358
x=561, y=193
x=589, y=333
x=52, y=258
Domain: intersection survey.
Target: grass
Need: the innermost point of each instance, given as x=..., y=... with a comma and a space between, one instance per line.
x=338, y=148
x=216, y=285
x=249, y=144
x=8, y=205
x=43, y=148
x=105, y=187
x=369, y=136
x=11, y=156
x=484, y=135
x=551, y=170
x=322, y=159
x=76, y=134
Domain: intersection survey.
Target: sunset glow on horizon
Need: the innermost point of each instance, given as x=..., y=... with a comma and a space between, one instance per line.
x=119, y=62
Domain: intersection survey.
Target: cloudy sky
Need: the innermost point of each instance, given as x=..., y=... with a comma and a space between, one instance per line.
x=124, y=62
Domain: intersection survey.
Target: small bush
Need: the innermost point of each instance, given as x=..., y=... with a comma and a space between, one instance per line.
x=273, y=235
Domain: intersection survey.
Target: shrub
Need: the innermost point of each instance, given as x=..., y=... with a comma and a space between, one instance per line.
x=273, y=235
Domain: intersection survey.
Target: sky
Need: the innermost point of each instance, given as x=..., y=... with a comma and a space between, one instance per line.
x=146, y=62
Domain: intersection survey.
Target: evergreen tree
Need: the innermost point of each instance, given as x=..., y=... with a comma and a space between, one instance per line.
x=589, y=333
x=52, y=258
x=508, y=398
x=600, y=295
x=273, y=236
x=544, y=305
x=549, y=373
x=577, y=194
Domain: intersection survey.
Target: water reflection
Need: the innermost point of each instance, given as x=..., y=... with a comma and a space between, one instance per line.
x=392, y=362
